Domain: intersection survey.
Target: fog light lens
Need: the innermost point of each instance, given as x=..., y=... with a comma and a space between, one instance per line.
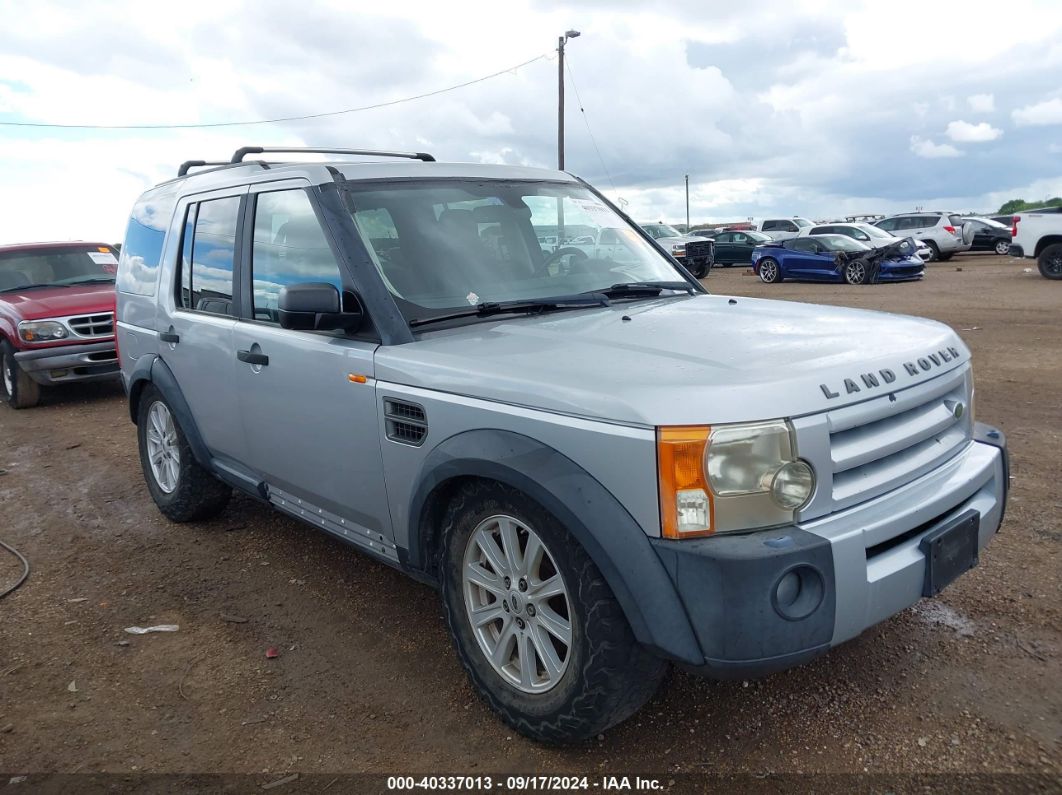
x=792, y=485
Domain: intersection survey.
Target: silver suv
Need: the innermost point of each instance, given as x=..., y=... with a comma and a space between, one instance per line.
x=946, y=234
x=387, y=351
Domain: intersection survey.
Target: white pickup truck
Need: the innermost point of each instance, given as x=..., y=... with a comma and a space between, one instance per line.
x=1038, y=234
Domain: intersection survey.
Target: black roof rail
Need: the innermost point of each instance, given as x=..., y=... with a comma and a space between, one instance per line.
x=243, y=151
x=190, y=164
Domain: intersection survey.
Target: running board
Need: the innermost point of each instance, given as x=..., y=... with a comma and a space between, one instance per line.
x=356, y=534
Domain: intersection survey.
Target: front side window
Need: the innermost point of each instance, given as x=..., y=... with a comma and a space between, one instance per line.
x=207, y=265
x=289, y=247
x=446, y=245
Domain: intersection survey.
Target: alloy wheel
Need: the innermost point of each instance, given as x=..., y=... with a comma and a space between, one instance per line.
x=768, y=271
x=855, y=273
x=517, y=603
x=164, y=455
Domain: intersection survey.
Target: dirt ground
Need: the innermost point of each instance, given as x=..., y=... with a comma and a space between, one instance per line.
x=366, y=679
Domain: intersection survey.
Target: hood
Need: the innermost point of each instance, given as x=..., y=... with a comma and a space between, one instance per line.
x=48, y=302
x=681, y=361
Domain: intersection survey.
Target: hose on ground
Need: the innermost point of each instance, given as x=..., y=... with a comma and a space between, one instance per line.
x=25, y=569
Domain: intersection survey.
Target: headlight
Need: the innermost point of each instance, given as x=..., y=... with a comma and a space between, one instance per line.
x=678, y=250
x=729, y=478
x=42, y=331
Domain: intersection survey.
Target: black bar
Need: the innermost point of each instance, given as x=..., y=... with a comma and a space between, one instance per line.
x=252, y=358
x=243, y=151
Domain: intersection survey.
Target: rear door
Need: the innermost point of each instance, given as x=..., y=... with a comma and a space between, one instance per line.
x=198, y=316
x=308, y=407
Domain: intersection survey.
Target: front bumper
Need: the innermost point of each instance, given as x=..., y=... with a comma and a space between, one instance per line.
x=88, y=361
x=850, y=579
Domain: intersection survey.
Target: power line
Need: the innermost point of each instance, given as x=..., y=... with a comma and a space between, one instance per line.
x=586, y=121
x=307, y=117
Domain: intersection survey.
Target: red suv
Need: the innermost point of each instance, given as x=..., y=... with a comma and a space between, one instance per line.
x=56, y=317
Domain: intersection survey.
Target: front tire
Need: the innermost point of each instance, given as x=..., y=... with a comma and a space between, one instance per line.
x=18, y=390
x=535, y=625
x=1050, y=262
x=769, y=271
x=855, y=272
x=934, y=251
x=180, y=487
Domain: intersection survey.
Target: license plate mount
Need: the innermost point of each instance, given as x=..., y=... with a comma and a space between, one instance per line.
x=950, y=550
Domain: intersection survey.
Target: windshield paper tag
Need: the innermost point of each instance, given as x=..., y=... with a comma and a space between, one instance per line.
x=600, y=214
x=472, y=298
x=102, y=258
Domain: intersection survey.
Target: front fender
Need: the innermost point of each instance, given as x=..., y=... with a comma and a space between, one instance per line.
x=615, y=542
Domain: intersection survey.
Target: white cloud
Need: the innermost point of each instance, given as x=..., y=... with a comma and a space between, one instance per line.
x=982, y=103
x=966, y=133
x=1046, y=112
x=924, y=147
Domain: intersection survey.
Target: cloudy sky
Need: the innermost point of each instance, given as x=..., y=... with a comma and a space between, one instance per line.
x=811, y=107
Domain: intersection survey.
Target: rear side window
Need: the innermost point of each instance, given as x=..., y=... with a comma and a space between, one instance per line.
x=770, y=226
x=289, y=247
x=207, y=264
x=138, y=266
x=821, y=230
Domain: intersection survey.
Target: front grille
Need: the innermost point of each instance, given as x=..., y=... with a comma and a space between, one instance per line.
x=881, y=444
x=697, y=249
x=405, y=423
x=101, y=325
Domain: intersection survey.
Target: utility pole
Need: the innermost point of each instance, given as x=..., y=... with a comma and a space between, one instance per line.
x=561, y=41
x=687, y=204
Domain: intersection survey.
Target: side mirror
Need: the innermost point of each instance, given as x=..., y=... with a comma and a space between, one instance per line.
x=318, y=306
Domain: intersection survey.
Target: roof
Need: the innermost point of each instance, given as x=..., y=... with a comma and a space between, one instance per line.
x=319, y=173
x=52, y=244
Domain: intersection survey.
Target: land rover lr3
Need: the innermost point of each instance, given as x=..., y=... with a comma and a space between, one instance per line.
x=384, y=350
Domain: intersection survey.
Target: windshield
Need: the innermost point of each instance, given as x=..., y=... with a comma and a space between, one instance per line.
x=757, y=237
x=443, y=245
x=57, y=266
x=842, y=243
x=802, y=222
x=989, y=223
x=875, y=231
x=657, y=231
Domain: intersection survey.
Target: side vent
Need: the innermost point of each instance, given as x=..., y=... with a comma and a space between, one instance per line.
x=405, y=423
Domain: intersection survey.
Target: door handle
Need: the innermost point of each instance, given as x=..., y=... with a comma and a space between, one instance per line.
x=169, y=336
x=253, y=358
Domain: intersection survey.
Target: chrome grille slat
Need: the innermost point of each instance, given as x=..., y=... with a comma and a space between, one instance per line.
x=868, y=443
x=98, y=325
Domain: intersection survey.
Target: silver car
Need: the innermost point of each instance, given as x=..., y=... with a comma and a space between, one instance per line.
x=384, y=351
x=946, y=234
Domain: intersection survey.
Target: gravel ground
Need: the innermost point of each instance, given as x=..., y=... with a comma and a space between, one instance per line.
x=366, y=680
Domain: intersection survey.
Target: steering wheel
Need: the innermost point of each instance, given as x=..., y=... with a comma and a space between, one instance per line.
x=577, y=255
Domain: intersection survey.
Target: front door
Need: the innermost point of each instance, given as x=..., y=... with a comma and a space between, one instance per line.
x=308, y=397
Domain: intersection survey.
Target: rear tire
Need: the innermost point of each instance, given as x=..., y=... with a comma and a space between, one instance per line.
x=1002, y=247
x=769, y=271
x=1050, y=262
x=599, y=678
x=18, y=390
x=180, y=487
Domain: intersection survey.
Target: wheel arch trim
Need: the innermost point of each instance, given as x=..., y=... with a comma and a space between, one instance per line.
x=150, y=369
x=614, y=541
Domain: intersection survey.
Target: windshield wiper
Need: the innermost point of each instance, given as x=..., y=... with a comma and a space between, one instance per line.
x=22, y=287
x=624, y=289
x=93, y=280
x=530, y=306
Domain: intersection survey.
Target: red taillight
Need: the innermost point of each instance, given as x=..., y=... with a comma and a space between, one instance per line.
x=1014, y=225
x=949, y=229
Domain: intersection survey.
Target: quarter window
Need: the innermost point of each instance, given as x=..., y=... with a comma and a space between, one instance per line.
x=207, y=264
x=289, y=247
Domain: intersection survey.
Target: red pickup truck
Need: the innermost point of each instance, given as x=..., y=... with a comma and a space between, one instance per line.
x=56, y=317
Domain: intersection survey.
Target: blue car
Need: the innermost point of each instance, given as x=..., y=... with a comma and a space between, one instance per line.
x=836, y=258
